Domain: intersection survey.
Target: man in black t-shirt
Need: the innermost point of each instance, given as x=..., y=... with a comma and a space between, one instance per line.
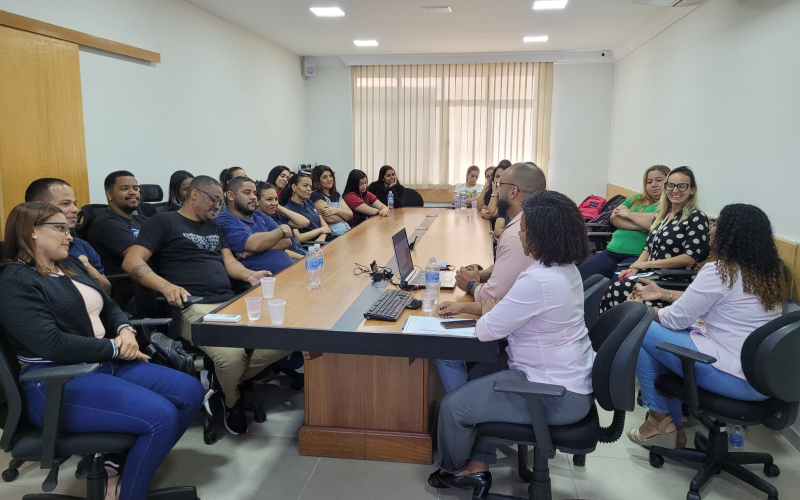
x=193, y=258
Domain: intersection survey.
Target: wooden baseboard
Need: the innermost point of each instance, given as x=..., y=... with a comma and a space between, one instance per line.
x=366, y=444
x=436, y=195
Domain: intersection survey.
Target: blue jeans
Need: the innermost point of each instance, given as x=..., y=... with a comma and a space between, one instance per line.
x=654, y=362
x=452, y=372
x=132, y=397
x=605, y=264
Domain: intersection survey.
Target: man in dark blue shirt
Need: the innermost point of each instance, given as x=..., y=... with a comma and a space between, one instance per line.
x=59, y=193
x=255, y=238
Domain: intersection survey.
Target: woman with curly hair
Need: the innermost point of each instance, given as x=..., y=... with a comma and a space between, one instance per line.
x=542, y=318
x=739, y=289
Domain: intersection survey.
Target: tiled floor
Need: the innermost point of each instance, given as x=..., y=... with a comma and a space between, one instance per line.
x=264, y=465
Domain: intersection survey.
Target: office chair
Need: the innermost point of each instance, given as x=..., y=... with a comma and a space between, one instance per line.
x=152, y=194
x=593, y=289
x=51, y=447
x=769, y=362
x=412, y=198
x=616, y=337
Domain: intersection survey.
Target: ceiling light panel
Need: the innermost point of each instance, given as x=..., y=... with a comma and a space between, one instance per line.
x=437, y=10
x=365, y=43
x=327, y=11
x=532, y=39
x=549, y=4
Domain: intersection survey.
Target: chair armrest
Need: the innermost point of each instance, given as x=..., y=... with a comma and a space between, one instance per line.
x=118, y=276
x=533, y=393
x=191, y=299
x=684, y=353
x=597, y=234
x=674, y=273
x=56, y=377
x=688, y=359
x=146, y=322
x=594, y=224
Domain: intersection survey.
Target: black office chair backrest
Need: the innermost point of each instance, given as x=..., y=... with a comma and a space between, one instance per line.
x=412, y=198
x=150, y=193
x=769, y=358
x=9, y=376
x=87, y=214
x=617, y=337
x=593, y=289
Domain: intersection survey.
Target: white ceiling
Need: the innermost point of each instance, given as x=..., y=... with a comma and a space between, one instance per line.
x=402, y=27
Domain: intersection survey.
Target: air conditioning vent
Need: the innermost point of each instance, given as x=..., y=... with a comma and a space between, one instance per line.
x=672, y=3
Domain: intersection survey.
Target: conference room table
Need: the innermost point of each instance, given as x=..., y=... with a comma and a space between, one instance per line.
x=369, y=387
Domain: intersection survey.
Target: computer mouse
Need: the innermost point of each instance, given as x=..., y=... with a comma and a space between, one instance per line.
x=414, y=304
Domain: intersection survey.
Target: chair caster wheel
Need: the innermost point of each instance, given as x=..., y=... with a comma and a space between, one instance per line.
x=656, y=461
x=260, y=416
x=10, y=475
x=579, y=460
x=693, y=495
x=771, y=470
x=209, y=438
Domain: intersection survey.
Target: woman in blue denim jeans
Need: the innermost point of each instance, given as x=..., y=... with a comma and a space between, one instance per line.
x=739, y=289
x=54, y=313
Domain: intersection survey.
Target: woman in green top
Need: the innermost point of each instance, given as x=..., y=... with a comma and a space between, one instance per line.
x=632, y=220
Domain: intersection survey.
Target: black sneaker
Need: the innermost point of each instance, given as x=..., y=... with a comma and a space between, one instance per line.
x=235, y=419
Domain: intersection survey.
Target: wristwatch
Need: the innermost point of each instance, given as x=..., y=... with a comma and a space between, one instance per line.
x=285, y=230
x=470, y=286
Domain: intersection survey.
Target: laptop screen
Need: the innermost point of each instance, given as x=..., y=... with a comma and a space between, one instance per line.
x=402, y=253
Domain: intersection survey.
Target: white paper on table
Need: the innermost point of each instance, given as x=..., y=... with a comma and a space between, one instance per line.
x=427, y=325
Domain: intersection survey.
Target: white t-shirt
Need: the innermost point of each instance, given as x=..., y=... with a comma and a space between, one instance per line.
x=471, y=192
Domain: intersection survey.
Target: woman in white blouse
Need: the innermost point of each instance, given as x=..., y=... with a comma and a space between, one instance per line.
x=472, y=189
x=542, y=318
x=739, y=289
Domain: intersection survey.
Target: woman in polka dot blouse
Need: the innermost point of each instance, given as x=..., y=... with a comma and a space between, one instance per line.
x=678, y=238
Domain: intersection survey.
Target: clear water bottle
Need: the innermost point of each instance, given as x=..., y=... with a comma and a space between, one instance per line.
x=432, y=276
x=457, y=201
x=312, y=269
x=736, y=437
x=391, y=201
x=321, y=264
x=463, y=201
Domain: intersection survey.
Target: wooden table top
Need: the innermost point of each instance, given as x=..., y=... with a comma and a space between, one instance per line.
x=450, y=236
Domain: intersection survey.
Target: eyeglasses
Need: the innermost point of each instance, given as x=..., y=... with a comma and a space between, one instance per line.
x=506, y=184
x=215, y=199
x=681, y=187
x=58, y=226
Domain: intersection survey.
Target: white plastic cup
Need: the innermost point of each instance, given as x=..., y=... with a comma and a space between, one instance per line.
x=474, y=206
x=253, y=308
x=429, y=300
x=267, y=287
x=276, y=309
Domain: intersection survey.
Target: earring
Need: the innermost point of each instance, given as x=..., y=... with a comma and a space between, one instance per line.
x=34, y=236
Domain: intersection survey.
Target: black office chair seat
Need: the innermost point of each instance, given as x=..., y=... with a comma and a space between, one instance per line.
x=719, y=407
x=578, y=438
x=29, y=447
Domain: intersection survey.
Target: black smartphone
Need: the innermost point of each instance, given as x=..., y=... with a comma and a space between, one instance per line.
x=461, y=323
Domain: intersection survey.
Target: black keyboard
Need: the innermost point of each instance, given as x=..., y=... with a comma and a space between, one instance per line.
x=389, y=305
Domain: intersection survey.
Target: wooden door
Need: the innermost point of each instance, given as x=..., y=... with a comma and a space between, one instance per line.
x=41, y=116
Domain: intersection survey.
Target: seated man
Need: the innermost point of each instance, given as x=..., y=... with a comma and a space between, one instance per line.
x=114, y=231
x=519, y=181
x=252, y=235
x=59, y=193
x=193, y=258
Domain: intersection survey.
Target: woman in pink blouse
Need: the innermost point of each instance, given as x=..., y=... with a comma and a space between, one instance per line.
x=739, y=289
x=542, y=318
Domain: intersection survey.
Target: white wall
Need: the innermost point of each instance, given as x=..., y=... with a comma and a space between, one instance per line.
x=220, y=97
x=717, y=91
x=580, y=130
x=329, y=121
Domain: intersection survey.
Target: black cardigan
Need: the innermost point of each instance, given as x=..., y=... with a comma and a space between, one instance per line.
x=45, y=317
x=379, y=189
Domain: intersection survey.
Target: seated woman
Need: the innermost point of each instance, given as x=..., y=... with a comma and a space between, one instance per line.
x=486, y=192
x=387, y=181
x=268, y=204
x=279, y=177
x=542, y=318
x=297, y=198
x=471, y=187
x=739, y=289
x=632, y=219
x=328, y=200
x=54, y=314
x=363, y=203
x=178, y=186
x=229, y=173
x=678, y=237
x=489, y=211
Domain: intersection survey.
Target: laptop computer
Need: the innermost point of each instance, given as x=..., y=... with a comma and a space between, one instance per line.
x=405, y=266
